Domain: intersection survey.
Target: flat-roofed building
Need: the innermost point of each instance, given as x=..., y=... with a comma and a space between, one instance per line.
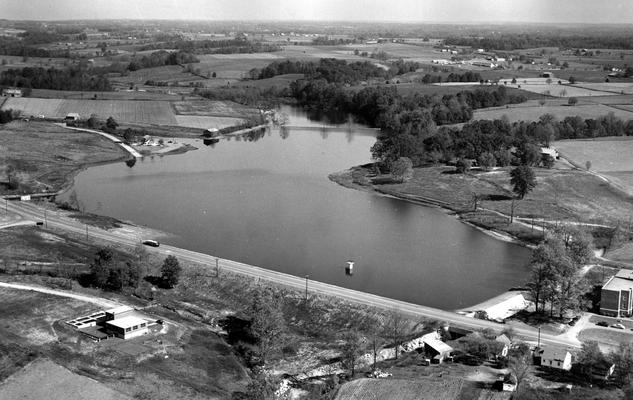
x=118, y=312
x=616, y=294
x=127, y=327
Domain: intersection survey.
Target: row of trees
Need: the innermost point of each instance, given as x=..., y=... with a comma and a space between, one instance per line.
x=229, y=46
x=110, y=271
x=160, y=58
x=71, y=78
x=514, y=41
x=468, y=76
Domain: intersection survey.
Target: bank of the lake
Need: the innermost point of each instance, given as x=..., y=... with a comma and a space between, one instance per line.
x=264, y=199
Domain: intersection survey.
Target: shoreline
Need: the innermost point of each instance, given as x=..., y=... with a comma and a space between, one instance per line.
x=345, y=179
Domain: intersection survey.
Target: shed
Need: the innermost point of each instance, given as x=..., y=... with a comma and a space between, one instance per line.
x=437, y=349
x=127, y=327
x=12, y=92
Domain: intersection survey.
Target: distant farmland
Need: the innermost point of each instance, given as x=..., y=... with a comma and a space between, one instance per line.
x=139, y=112
x=531, y=111
x=206, y=122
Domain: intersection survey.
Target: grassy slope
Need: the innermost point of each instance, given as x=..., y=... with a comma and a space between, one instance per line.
x=46, y=155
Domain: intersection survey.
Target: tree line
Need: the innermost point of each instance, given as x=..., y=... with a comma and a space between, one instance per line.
x=229, y=46
x=329, y=69
x=161, y=58
x=514, y=41
x=71, y=78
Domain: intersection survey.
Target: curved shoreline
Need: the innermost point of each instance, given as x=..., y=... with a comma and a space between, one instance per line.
x=345, y=179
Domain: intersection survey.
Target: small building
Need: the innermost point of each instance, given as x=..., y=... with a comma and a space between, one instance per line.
x=603, y=370
x=127, y=327
x=555, y=358
x=118, y=312
x=549, y=151
x=12, y=92
x=506, y=342
x=506, y=383
x=615, y=296
x=435, y=348
x=71, y=117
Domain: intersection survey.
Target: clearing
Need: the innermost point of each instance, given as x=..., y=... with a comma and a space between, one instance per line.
x=531, y=111
x=419, y=389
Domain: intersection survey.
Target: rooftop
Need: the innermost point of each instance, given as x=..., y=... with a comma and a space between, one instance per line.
x=126, y=322
x=552, y=353
x=438, y=345
x=119, y=310
x=623, y=280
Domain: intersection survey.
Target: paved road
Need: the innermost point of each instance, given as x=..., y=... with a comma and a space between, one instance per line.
x=31, y=211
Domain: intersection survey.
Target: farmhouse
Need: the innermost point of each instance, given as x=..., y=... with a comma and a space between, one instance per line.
x=554, y=358
x=615, y=296
x=12, y=92
x=127, y=327
x=549, y=151
x=435, y=348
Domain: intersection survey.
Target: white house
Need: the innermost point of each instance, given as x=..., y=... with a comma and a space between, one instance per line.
x=12, y=92
x=71, y=117
x=555, y=358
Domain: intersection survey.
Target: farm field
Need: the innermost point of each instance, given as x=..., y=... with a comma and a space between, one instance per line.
x=430, y=89
x=160, y=94
x=142, y=112
x=557, y=90
x=532, y=111
x=206, y=122
x=378, y=389
x=43, y=379
x=605, y=154
x=167, y=73
x=614, y=87
x=210, y=108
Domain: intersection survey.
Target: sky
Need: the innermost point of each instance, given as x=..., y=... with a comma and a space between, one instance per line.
x=469, y=11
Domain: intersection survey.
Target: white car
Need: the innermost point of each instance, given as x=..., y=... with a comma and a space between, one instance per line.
x=618, y=326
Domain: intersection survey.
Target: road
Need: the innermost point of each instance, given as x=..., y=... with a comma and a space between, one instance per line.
x=33, y=212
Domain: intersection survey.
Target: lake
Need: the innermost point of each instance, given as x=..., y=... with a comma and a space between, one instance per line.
x=266, y=201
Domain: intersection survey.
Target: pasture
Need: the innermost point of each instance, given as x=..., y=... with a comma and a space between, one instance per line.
x=117, y=95
x=139, y=112
x=532, y=111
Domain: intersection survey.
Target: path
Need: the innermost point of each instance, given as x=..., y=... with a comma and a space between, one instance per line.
x=101, y=302
x=115, y=139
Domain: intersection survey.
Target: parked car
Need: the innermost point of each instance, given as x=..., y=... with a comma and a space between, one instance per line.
x=602, y=323
x=618, y=326
x=151, y=242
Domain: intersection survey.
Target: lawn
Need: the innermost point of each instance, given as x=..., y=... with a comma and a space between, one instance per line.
x=206, y=122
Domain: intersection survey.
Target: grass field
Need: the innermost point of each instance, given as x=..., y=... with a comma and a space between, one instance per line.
x=43, y=379
x=606, y=154
x=141, y=112
x=532, y=111
x=117, y=95
x=46, y=155
x=210, y=108
x=420, y=389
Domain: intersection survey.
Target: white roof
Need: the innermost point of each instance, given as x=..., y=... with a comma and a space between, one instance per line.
x=438, y=345
x=126, y=322
x=119, y=310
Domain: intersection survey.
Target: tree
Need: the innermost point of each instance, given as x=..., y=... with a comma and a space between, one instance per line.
x=352, y=349
x=170, y=271
x=394, y=329
x=402, y=169
x=623, y=360
x=111, y=123
x=520, y=360
x=572, y=101
x=588, y=165
x=590, y=357
x=523, y=180
x=463, y=165
x=100, y=267
x=487, y=161
x=268, y=325
x=214, y=75
x=572, y=80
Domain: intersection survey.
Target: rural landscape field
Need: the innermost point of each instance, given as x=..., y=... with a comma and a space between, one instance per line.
x=316, y=201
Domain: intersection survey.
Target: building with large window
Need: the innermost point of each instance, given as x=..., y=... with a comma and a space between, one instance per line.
x=127, y=327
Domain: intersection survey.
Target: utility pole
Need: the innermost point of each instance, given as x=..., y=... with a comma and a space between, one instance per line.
x=307, y=277
x=45, y=221
x=539, y=338
x=86, y=231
